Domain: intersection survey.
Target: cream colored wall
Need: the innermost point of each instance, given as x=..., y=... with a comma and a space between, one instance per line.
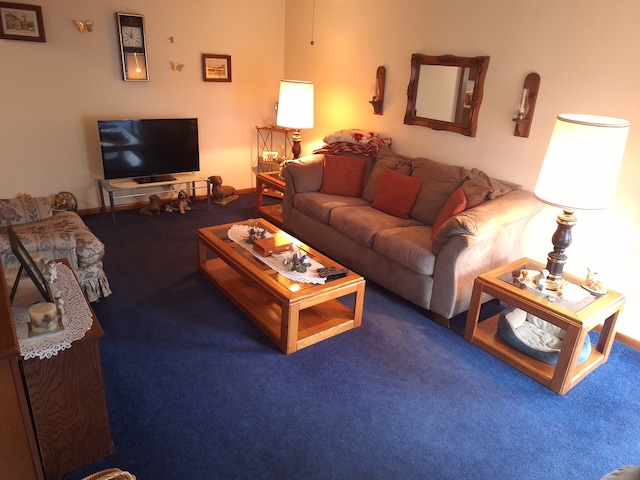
x=53, y=93
x=584, y=51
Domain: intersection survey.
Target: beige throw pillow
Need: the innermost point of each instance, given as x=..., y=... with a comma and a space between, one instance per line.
x=385, y=159
x=438, y=183
x=480, y=187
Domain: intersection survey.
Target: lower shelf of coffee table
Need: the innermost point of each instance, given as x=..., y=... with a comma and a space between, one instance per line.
x=316, y=323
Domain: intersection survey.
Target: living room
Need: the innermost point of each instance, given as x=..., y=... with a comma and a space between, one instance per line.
x=56, y=91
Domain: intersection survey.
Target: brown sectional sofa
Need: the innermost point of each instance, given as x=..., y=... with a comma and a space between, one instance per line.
x=400, y=251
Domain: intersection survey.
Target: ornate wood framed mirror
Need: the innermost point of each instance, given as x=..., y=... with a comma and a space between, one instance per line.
x=445, y=92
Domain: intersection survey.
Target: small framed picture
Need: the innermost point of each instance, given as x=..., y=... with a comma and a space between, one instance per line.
x=216, y=68
x=269, y=156
x=27, y=265
x=21, y=22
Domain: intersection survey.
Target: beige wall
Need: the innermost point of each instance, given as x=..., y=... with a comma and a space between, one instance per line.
x=53, y=93
x=585, y=52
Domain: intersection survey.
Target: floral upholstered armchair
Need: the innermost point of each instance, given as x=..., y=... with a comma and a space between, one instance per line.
x=56, y=235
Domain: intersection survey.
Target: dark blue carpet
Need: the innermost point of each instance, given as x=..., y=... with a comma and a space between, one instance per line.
x=196, y=391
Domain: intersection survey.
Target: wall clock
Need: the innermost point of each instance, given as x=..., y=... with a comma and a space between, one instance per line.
x=133, y=47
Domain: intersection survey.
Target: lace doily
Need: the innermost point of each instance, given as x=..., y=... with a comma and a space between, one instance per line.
x=238, y=233
x=76, y=320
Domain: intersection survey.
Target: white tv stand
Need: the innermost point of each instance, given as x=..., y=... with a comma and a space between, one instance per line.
x=129, y=188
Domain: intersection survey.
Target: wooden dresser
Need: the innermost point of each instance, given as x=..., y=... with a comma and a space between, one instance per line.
x=53, y=414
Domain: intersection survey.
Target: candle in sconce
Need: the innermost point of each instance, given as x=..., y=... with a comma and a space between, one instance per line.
x=373, y=93
x=523, y=107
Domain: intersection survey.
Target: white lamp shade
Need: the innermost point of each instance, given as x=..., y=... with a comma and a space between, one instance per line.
x=581, y=167
x=295, y=104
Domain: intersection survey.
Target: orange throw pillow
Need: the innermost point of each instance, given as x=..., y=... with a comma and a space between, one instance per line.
x=343, y=175
x=456, y=203
x=397, y=193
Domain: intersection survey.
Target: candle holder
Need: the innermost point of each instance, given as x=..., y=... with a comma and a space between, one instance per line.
x=377, y=96
x=527, y=105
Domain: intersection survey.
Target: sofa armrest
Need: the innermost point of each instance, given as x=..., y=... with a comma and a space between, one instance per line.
x=304, y=174
x=301, y=175
x=490, y=215
x=476, y=241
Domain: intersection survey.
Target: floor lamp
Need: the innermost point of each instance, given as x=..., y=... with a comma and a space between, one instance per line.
x=580, y=172
x=295, y=109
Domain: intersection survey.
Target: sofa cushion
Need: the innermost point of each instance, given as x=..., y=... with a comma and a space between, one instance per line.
x=480, y=187
x=343, y=175
x=397, y=193
x=385, y=159
x=438, y=183
x=306, y=172
x=319, y=205
x=456, y=203
x=52, y=244
x=407, y=246
x=16, y=211
x=361, y=224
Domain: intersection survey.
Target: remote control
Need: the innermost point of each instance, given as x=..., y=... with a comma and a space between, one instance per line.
x=329, y=273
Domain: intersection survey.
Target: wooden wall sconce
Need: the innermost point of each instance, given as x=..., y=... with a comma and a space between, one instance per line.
x=527, y=105
x=377, y=97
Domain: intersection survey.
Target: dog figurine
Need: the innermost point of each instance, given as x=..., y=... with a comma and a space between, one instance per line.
x=222, y=194
x=181, y=204
x=153, y=208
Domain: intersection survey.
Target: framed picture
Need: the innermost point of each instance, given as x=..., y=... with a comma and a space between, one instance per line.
x=27, y=264
x=21, y=22
x=216, y=68
x=269, y=156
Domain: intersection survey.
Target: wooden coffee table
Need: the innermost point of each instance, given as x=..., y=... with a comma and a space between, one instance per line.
x=294, y=315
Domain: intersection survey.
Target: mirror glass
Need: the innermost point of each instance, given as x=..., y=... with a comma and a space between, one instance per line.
x=445, y=92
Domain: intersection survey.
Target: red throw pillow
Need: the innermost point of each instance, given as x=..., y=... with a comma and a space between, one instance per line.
x=456, y=203
x=343, y=175
x=397, y=193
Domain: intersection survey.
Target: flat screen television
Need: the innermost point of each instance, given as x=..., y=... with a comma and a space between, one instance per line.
x=149, y=150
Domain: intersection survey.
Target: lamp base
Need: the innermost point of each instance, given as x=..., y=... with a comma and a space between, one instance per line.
x=296, y=149
x=561, y=240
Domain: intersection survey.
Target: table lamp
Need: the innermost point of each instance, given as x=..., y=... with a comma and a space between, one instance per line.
x=295, y=109
x=580, y=172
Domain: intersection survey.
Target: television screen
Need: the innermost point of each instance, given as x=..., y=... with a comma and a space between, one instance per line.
x=149, y=150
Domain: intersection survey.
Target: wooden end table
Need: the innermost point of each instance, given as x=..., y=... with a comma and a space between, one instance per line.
x=294, y=315
x=53, y=411
x=576, y=318
x=272, y=185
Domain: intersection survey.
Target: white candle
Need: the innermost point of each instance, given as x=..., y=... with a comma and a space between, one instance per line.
x=44, y=317
x=522, y=108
